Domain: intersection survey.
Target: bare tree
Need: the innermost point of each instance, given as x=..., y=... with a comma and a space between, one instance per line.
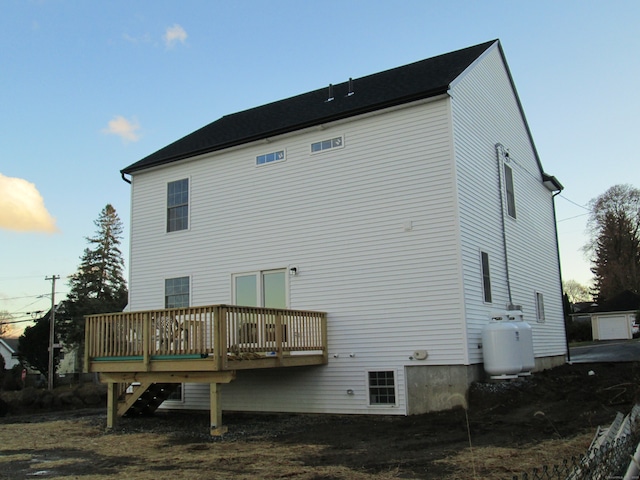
x=5, y=317
x=576, y=292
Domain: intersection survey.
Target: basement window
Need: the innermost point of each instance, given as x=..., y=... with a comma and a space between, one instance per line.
x=270, y=157
x=177, y=395
x=382, y=388
x=337, y=142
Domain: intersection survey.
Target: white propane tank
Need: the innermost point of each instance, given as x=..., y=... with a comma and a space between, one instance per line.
x=526, y=340
x=501, y=349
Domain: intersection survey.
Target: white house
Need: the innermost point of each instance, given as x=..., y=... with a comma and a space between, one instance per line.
x=409, y=205
x=8, y=350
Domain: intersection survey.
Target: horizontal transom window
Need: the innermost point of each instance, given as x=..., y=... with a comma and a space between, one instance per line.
x=270, y=157
x=323, y=145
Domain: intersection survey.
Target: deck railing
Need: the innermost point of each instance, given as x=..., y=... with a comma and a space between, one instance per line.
x=224, y=332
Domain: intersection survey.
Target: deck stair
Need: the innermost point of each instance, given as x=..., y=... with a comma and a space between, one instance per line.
x=144, y=398
x=143, y=356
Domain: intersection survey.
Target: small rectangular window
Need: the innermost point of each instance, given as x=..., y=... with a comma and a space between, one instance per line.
x=382, y=389
x=336, y=142
x=539, y=307
x=509, y=191
x=176, y=292
x=178, y=205
x=486, y=277
x=270, y=157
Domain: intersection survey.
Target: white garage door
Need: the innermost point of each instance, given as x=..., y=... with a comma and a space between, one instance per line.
x=613, y=328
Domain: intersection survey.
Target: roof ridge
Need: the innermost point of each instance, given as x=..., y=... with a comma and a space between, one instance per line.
x=414, y=81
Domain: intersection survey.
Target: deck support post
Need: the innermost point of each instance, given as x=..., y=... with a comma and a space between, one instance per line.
x=112, y=404
x=216, y=411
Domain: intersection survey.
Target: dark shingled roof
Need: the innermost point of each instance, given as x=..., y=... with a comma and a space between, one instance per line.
x=408, y=83
x=626, y=301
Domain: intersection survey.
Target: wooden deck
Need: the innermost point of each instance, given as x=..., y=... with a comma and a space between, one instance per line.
x=199, y=344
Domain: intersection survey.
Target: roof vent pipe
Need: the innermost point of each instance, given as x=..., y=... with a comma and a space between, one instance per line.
x=351, y=92
x=330, y=93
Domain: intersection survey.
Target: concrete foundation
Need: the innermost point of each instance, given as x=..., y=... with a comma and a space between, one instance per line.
x=432, y=388
x=545, y=363
x=439, y=387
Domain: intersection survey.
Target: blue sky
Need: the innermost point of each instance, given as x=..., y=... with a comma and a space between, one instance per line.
x=87, y=88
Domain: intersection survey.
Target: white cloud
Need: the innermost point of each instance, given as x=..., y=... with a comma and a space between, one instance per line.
x=174, y=34
x=125, y=129
x=22, y=207
x=145, y=38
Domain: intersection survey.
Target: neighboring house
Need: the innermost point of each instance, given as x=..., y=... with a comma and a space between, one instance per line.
x=69, y=362
x=409, y=205
x=616, y=318
x=9, y=351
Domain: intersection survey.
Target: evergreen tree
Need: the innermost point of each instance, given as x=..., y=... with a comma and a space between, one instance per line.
x=615, y=241
x=98, y=286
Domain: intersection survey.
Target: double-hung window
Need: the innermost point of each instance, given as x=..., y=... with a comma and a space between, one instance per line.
x=176, y=292
x=382, y=388
x=178, y=205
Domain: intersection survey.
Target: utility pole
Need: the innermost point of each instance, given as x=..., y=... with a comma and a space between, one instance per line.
x=52, y=327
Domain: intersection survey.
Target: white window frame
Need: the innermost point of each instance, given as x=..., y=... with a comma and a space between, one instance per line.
x=164, y=288
x=539, y=299
x=277, y=160
x=166, y=206
x=395, y=387
x=332, y=147
x=259, y=284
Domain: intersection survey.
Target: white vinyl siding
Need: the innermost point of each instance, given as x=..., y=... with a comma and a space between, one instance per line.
x=485, y=112
x=384, y=234
x=387, y=290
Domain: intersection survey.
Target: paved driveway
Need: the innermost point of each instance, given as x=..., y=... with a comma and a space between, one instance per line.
x=607, y=351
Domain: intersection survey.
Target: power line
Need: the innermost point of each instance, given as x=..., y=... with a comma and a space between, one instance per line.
x=571, y=218
x=28, y=296
x=574, y=203
x=18, y=321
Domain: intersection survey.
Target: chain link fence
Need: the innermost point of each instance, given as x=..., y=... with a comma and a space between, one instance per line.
x=608, y=461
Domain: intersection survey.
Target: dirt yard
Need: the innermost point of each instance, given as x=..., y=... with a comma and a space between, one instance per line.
x=509, y=428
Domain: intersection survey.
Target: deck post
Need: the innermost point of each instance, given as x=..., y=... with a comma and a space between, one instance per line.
x=112, y=404
x=216, y=411
x=146, y=340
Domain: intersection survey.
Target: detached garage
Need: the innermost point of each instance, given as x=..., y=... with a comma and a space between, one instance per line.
x=613, y=319
x=612, y=326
